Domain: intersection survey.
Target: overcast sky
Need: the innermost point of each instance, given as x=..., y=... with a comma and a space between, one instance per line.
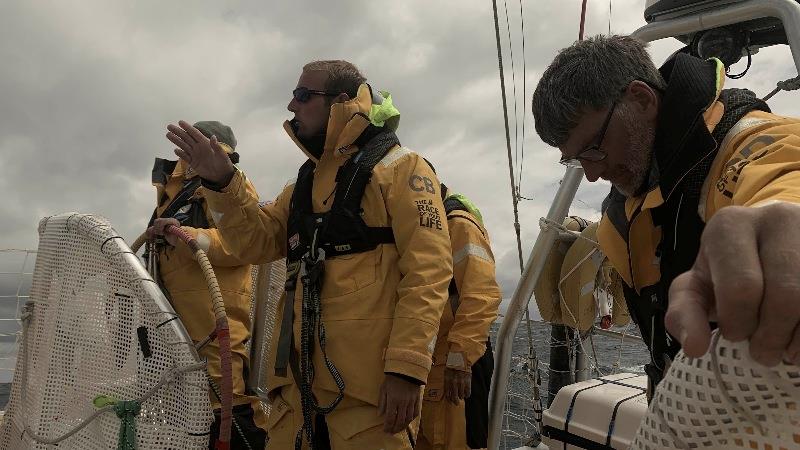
x=88, y=87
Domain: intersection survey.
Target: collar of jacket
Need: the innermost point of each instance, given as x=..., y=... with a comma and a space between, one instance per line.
x=682, y=136
x=346, y=123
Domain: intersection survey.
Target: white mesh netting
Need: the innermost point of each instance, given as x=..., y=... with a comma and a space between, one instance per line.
x=268, y=287
x=90, y=302
x=724, y=400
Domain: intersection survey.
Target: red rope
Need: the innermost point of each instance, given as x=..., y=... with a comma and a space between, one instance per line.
x=223, y=336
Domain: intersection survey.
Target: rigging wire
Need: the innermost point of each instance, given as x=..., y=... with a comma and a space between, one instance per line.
x=524, y=102
x=514, y=199
x=583, y=20
x=508, y=135
x=514, y=92
x=514, y=189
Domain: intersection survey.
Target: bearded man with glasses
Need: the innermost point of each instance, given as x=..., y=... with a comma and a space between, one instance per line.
x=701, y=221
x=364, y=233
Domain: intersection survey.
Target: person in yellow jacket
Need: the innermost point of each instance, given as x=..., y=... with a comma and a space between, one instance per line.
x=455, y=405
x=368, y=258
x=702, y=219
x=181, y=199
x=181, y=202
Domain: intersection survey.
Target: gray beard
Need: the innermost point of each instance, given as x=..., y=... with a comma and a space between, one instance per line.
x=641, y=137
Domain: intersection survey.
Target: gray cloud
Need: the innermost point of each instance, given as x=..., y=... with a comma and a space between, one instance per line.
x=88, y=88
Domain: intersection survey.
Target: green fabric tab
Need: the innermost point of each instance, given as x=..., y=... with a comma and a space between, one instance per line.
x=385, y=113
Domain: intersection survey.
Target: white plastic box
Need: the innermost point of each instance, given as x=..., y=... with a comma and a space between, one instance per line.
x=602, y=413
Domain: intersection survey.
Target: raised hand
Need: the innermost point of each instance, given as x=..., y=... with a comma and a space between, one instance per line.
x=204, y=155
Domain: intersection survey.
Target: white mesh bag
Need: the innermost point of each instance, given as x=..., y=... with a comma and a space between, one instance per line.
x=91, y=305
x=724, y=400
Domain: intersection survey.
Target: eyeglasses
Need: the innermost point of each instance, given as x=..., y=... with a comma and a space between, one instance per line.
x=593, y=152
x=303, y=94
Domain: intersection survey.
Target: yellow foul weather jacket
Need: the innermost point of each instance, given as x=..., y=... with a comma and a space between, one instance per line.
x=464, y=329
x=713, y=148
x=382, y=306
x=471, y=310
x=187, y=289
x=758, y=161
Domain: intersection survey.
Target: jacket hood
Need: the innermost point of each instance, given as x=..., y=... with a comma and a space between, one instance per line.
x=349, y=119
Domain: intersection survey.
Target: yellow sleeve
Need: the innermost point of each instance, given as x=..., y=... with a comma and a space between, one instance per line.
x=246, y=231
x=212, y=242
x=418, y=221
x=479, y=294
x=765, y=166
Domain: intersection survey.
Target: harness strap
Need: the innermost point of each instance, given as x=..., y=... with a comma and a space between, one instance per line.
x=285, y=340
x=311, y=237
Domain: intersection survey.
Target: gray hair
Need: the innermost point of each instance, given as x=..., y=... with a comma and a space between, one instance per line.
x=343, y=76
x=589, y=74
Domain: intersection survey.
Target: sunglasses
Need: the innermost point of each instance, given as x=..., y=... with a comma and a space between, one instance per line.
x=303, y=94
x=593, y=152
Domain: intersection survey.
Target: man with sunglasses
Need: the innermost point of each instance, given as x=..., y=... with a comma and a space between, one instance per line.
x=369, y=262
x=702, y=217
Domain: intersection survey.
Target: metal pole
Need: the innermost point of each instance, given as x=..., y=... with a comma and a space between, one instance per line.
x=582, y=345
x=559, y=373
x=522, y=295
x=788, y=11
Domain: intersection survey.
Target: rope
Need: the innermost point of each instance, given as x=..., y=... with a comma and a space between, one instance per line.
x=311, y=275
x=215, y=390
x=545, y=222
x=222, y=329
x=223, y=334
x=137, y=244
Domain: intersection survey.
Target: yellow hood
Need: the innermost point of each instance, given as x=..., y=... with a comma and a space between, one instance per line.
x=349, y=119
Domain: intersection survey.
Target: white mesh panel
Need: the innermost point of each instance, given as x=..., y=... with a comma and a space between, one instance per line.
x=89, y=296
x=268, y=288
x=742, y=405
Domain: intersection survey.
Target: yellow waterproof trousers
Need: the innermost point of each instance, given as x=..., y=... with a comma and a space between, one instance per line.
x=353, y=425
x=443, y=426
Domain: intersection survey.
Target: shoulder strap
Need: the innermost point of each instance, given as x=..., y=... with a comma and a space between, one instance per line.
x=182, y=199
x=354, y=175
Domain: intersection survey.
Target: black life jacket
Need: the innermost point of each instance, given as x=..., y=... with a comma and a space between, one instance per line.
x=684, y=153
x=311, y=239
x=341, y=230
x=185, y=207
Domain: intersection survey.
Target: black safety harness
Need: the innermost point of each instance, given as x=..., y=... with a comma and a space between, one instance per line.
x=684, y=153
x=311, y=238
